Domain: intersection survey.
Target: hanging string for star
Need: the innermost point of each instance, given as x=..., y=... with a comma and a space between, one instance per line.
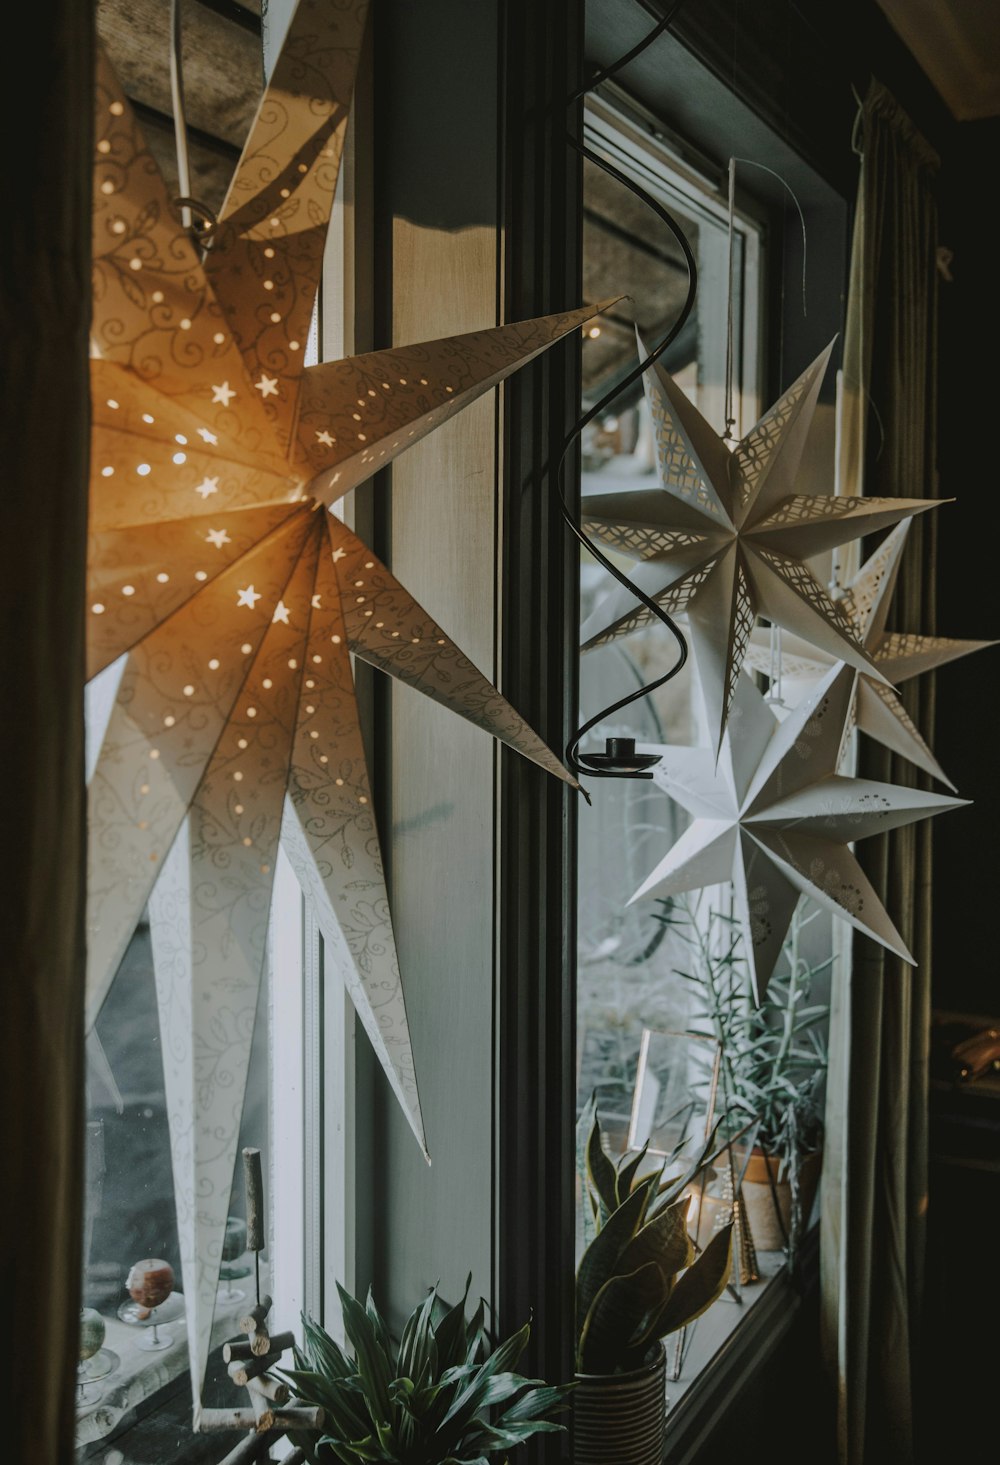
x=205, y=226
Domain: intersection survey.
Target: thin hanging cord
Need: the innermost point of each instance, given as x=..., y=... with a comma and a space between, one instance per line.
x=195, y=215
x=600, y=406
x=177, y=98
x=802, y=219
x=730, y=419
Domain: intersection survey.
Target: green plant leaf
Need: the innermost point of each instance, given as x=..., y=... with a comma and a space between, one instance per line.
x=417, y=1354
x=600, y=1171
x=373, y=1366
x=536, y=1402
x=701, y=1285
x=619, y=1316
x=664, y=1240
x=378, y=1325
x=598, y=1262
x=450, y=1334
x=625, y=1176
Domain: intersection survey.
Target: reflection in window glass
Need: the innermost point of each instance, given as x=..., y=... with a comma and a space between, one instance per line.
x=628, y=954
x=130, y=1210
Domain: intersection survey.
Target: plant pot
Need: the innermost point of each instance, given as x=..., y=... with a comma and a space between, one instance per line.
x=619, y=1417
x=770, y=1234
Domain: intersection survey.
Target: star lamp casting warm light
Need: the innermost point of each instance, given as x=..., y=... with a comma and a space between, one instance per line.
x=232, y=599
x=726, y=537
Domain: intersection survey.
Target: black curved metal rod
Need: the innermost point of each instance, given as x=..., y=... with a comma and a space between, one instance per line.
x=606, y=72
x=600, y=406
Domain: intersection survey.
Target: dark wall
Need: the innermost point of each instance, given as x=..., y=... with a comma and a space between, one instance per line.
x=965, y=844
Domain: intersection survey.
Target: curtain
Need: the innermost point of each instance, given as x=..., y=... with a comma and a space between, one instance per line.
x=875, y=1185
x=44, y=312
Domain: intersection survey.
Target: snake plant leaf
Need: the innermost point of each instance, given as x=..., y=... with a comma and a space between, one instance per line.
x=601, y=1172
x=679, y=1185
x=625, y=1176
x=617, y=1318
x=664, y=1240
x=700, y=1286
x=598, y=1261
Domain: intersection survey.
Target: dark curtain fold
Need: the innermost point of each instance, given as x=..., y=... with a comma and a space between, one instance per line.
x=44, y=408
x=877, y=1195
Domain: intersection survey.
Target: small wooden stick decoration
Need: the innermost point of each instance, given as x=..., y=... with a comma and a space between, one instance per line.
x=250, y=1359
x=252, y=1447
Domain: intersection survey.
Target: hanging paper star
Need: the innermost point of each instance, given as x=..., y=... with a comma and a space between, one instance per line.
x=879, y=711
x=725, y=536
x=776, y=819
x=237, y=685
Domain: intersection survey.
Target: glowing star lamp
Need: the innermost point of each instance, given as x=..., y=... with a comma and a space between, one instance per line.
x=233, y=601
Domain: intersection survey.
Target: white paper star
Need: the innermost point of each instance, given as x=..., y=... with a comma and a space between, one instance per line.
x=182, y=355
x=217, y=538
x=281, y=613
x=315, y=602
x=776, y=819
x=726, y=536
x=899, y=656
x=325, y=438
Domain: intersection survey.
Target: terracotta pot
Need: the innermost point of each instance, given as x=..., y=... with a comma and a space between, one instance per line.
x=619, y=1417
x=758, y=1198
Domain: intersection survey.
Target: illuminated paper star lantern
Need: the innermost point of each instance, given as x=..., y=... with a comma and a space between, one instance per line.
x=236, y=600
x=775, y=818
x=899, y=656
x=726, y=537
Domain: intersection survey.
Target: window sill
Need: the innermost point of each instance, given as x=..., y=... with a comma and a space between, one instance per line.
x=730, y=1343
x=142, y=1375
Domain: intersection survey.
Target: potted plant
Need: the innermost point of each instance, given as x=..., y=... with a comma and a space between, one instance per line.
x=439, y=1397
x=773, y=1067
x=639, y=1280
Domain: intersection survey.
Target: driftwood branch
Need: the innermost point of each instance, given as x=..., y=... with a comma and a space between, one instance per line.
x=252, y=1447
x=240, y=1348
x=254, y=1319
x=254, y=1182
x=267, y=1387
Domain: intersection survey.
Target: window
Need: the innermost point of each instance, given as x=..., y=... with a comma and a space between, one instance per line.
x=632, y=994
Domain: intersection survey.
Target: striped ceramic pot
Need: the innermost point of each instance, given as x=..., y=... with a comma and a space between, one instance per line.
x=618, y=1418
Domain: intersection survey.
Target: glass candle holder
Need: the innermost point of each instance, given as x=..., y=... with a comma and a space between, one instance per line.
x=150, y=1282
